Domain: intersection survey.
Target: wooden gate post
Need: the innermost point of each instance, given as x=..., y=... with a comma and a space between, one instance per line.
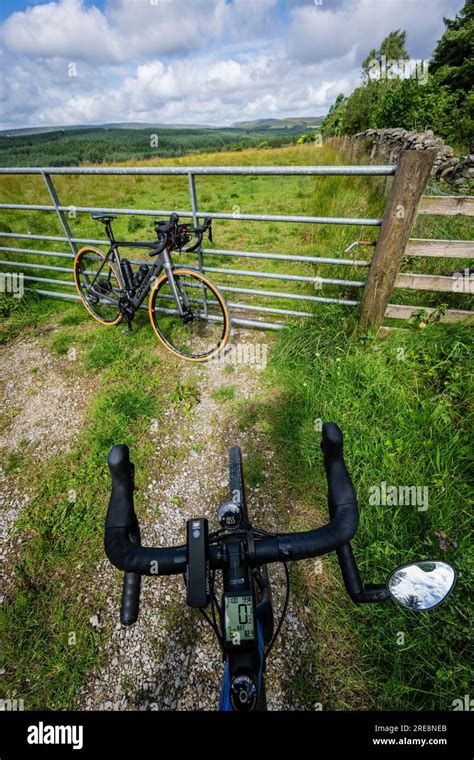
x=411, y=176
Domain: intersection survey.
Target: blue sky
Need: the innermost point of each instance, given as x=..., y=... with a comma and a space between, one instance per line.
x=8, y=7
x=65, y=62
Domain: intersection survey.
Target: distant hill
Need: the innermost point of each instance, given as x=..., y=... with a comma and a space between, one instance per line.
x=100, y=145
x=295, y=123
x=292, y=122
x=108, y=143
x=24, y=131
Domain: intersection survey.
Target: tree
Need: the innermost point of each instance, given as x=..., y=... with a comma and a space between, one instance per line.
x=453, y=58
x=392, y=48
x=340, y=100
x=412, y=106
x=333, y=123
x=453, y=68
x=443, y=103
x=357, y=111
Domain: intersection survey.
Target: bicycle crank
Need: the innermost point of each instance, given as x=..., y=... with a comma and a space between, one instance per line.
x=127, y=309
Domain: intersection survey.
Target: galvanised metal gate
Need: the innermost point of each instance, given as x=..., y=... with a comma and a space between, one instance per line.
x=205, y=254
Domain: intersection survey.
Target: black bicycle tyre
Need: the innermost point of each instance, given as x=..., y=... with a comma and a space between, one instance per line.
x=226, y=326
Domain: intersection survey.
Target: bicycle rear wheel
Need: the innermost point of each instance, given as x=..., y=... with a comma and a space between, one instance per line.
x=98, y=285
x=203, y=328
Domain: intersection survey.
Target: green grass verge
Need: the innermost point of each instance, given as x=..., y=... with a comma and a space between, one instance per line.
x=405, y=407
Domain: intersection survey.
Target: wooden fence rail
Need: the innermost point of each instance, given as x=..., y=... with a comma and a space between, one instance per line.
x=406, y=201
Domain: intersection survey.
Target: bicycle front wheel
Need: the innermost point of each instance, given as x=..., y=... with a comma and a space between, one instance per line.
x=200, y=329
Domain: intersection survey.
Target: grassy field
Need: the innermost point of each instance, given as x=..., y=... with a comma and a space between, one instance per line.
x=325, y=196
x=404, y=404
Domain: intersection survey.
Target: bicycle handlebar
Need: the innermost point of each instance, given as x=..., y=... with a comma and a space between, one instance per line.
x=122, y=535
x=121, y=526
x=165, y=229
x=199, y=231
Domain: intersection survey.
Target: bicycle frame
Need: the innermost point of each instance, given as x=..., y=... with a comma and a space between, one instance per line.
x=163, y=262
x=253, y=660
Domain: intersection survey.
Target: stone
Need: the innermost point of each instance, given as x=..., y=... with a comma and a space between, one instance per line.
x=443, y=174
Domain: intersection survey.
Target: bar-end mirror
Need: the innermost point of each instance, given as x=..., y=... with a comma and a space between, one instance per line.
x=422, y=585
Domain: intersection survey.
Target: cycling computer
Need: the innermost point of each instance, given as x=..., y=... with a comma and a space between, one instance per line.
x=239, y=619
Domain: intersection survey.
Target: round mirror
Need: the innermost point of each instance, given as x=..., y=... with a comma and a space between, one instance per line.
x=422, y=585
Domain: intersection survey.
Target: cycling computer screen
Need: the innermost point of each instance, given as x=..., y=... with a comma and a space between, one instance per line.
x=239, y=619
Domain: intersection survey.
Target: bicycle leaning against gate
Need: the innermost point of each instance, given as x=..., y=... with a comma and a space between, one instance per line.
x=187, y=311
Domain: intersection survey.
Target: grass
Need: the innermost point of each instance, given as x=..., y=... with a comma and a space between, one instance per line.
x=26, y=315
x=405, y=407
x=63, y=522
x=224, y=394
x=186, y=394
x=14, y=460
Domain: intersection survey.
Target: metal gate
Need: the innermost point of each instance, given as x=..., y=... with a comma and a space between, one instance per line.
x=204, y=255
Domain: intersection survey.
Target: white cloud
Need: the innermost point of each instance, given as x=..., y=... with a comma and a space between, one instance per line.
x=132, y=29
x=206, y=91
x=322, y=32
x=195, y=61
x=66, y=29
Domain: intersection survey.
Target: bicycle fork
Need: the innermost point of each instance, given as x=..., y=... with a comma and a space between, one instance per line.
x=168, y=267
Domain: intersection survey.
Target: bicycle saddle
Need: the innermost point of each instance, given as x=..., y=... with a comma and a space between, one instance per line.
x=104, y=218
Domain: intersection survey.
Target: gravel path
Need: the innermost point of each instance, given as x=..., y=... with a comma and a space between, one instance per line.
x=169, y=659
x=42, y=403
